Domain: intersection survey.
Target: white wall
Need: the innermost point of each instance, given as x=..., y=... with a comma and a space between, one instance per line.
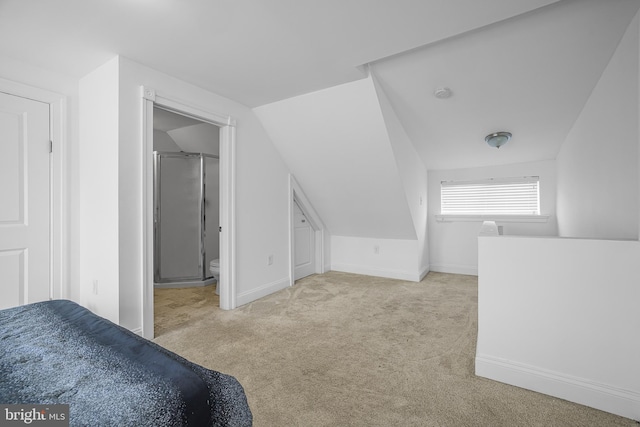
x=67, y=86
x=412, y=172
x=261, y=191
x=598, y=177
x=352, y=158
x=163, y=142
x=453, y=245
x=21, y=72
x=392, y=258
x=336, y=145
x=99, y=226
x=560, y=316
x=200, y=138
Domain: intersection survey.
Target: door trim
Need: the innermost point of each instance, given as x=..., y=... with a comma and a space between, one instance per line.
x=227, y=124
x=59, y=286
x=296, y=193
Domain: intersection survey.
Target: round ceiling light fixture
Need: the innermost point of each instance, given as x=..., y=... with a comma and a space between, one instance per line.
x=442, y=93
x=498, y=139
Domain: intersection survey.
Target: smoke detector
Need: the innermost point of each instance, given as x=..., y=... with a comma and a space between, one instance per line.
x=442, y=93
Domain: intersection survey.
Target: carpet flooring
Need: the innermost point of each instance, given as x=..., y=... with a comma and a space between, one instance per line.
x=341, y=349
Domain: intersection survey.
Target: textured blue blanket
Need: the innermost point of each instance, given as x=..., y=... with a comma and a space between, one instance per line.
x=57, y=352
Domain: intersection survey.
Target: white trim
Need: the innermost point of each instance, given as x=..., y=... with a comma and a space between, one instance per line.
x=58, y=246
x=496, y=218
x=296, y=193
x=147, y=220
x=455, y=269
x=423, y=273
x=500, y=180
x=262, y=291
x=579, y=390
x=180, y=106
x=187, y=284
x=227, y=124
x=379, y=272
x=228, y=297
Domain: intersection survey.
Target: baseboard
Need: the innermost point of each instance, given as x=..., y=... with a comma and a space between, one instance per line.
x=188, y=284
x=423, y=272
x=379, y=272
x=604, y=397
x=262, y=291
x=137, y=331
x=455, y=269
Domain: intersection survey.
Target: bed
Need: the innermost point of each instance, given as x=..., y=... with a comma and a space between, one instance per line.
x=57, y=352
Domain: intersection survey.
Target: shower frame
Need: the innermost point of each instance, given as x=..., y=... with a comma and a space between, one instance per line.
x=157, y=199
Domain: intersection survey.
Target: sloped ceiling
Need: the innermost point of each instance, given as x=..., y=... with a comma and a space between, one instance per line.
x=166, y=120
x=336, y=145
x=188, y=134
x=530, y=75
x=252, y=51
x=198, y=138
x=525, y=66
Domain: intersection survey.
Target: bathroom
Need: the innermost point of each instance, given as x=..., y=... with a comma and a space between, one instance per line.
x=186, y=201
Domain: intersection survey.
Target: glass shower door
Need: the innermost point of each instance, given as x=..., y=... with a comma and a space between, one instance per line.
x=178, y=218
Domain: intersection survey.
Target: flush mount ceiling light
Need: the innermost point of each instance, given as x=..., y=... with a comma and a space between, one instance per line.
x=442, y=93
x=498, y=139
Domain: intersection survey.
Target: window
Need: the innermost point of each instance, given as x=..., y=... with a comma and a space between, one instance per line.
x=503, y=197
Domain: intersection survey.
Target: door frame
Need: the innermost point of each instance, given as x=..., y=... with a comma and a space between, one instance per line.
x=59, y=286
x=227, y=124
x=296, y=194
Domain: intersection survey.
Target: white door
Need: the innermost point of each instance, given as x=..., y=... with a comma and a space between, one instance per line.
x=304, y=241
x=24, y=201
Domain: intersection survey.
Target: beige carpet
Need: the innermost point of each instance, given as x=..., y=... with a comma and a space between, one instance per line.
x=345, y=350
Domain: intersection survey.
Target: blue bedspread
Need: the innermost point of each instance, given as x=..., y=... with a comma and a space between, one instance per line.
x=57, y=352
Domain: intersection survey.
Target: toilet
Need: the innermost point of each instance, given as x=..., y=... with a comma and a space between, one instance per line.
x=214, y=268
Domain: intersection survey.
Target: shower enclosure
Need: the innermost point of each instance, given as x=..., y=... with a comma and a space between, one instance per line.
x=186, y=214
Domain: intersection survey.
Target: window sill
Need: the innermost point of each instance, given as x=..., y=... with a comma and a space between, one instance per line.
x=496, y=218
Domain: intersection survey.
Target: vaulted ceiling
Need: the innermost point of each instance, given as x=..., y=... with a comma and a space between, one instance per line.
x=524, y=66
x=530, y=75
x=252, y=51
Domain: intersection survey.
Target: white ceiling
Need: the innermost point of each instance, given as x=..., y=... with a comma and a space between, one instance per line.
x=190, y=135
x=530, y=75
x=167, y=121
x=252, y=51
x=525, y=66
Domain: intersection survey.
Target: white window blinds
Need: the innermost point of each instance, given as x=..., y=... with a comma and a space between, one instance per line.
x=499, y=196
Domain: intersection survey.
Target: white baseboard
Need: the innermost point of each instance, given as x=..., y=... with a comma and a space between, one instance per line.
x=425, y=270
x=137, y=331
x=607, y=398
x=188, y=284
x=455, y=269
x=379, y=272
x=262, y=291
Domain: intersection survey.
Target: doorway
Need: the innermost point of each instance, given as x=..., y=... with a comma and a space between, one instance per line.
x=227, y=135
x=186, y=218
x=305, y=245
x=186, y=201
x=307, y=235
